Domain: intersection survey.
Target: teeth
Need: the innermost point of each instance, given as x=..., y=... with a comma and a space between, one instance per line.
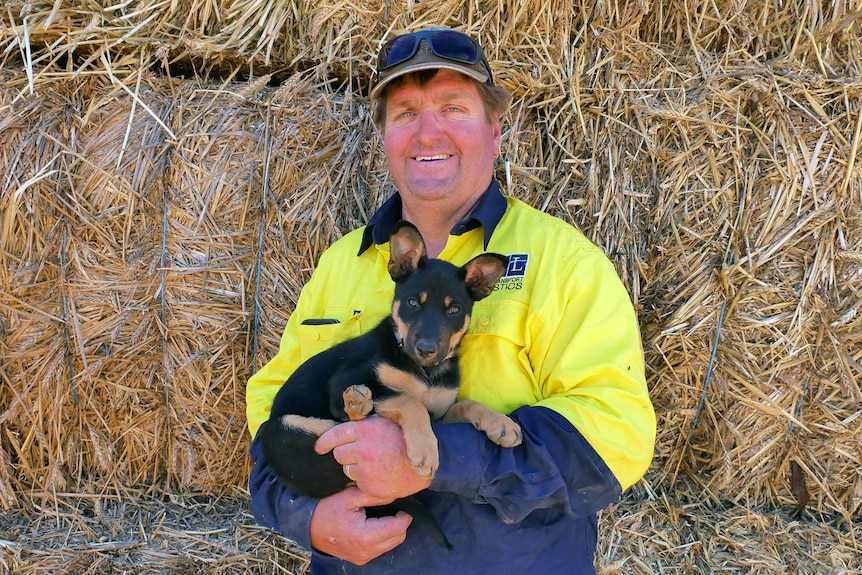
x=429, y=158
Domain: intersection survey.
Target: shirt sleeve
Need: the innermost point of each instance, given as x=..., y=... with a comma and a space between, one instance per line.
x=590, y=430
x=554, y=467
x=272, y=504
x=590, y=365
x=263, y=385
x=275, y=506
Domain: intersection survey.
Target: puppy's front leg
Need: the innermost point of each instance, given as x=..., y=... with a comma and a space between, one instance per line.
x=415, y=423
x=498, y=427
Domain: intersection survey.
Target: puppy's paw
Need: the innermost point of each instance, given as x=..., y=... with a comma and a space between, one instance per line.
x=357, y=402
x=424, y=457
x=499, y=428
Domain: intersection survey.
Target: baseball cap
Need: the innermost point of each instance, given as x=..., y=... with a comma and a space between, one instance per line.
x=430, y=49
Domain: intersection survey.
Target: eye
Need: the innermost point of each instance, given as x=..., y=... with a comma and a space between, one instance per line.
x=454, y=309
x=413, y=303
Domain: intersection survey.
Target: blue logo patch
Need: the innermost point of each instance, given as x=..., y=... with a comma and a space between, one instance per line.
x=517, y=266
x=513, y=279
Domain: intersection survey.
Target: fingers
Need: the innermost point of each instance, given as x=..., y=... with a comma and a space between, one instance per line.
x=360, y=499
x=390, y=531
x=379, y=535
x=339, y=435
x=340, y=527
x=376, y=454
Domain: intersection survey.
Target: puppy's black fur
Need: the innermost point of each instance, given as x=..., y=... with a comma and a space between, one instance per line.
x=405, y=369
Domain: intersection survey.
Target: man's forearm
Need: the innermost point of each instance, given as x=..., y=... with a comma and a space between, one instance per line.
x=274, y=505
x=554, y=467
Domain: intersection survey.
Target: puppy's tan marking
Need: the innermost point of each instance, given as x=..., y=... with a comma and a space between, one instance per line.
x=456, y=337
x=419, y=439
x=498, y=427
x=436, y=401
x=402, y=328
x=312, y=425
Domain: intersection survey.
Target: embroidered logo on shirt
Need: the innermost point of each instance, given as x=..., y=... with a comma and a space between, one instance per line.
x=515, y=272
x=517, y=265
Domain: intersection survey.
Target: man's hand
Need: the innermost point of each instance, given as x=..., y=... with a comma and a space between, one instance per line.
x=339, y=527
x=374, y=450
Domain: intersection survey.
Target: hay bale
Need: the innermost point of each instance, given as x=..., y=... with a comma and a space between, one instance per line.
x=533, y=44
x=179, y=245
x=748, y=277
x=32, y=314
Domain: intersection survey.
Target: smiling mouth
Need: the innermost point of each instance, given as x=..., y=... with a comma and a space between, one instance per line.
x=432, y=158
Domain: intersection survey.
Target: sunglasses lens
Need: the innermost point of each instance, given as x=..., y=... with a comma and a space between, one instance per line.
x=401, y=49
x=455, y=46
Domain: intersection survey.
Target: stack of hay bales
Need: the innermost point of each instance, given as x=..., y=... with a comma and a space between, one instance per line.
x=172, y=171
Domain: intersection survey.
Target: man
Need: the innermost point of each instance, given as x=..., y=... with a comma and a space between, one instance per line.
x=556, y=346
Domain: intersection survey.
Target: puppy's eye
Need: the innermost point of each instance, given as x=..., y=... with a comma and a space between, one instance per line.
x=413, y=303
x=454, y=310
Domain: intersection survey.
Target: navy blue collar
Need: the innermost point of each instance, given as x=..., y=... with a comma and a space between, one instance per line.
x=487, y=214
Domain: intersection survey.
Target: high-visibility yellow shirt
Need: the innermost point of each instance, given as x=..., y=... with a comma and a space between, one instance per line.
x=559, y=331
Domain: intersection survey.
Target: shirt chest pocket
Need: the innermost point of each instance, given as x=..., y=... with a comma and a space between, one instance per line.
x=495, y=365
x=500, y=319
x=319, y=334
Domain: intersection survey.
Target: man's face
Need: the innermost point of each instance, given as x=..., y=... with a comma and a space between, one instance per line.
x=438, y=141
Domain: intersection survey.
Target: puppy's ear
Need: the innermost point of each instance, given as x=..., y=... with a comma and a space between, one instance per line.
x=406, y=250
x=482, y=272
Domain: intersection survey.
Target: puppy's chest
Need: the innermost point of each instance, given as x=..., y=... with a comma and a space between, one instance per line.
x=438, y=401
x=436, y=398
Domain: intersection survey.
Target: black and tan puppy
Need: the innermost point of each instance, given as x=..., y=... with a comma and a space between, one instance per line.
x=405, y=369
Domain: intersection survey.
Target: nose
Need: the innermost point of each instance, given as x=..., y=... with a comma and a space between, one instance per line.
x=428, y=127
x=426, y=349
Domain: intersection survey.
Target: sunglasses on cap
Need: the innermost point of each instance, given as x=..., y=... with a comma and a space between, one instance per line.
x=447, y=44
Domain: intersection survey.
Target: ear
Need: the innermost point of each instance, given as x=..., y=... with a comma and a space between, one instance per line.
x=482, y=272
x=406, y=250
x=498, y=132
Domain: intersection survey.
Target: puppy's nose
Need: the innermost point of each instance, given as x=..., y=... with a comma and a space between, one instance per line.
x=426, y=349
